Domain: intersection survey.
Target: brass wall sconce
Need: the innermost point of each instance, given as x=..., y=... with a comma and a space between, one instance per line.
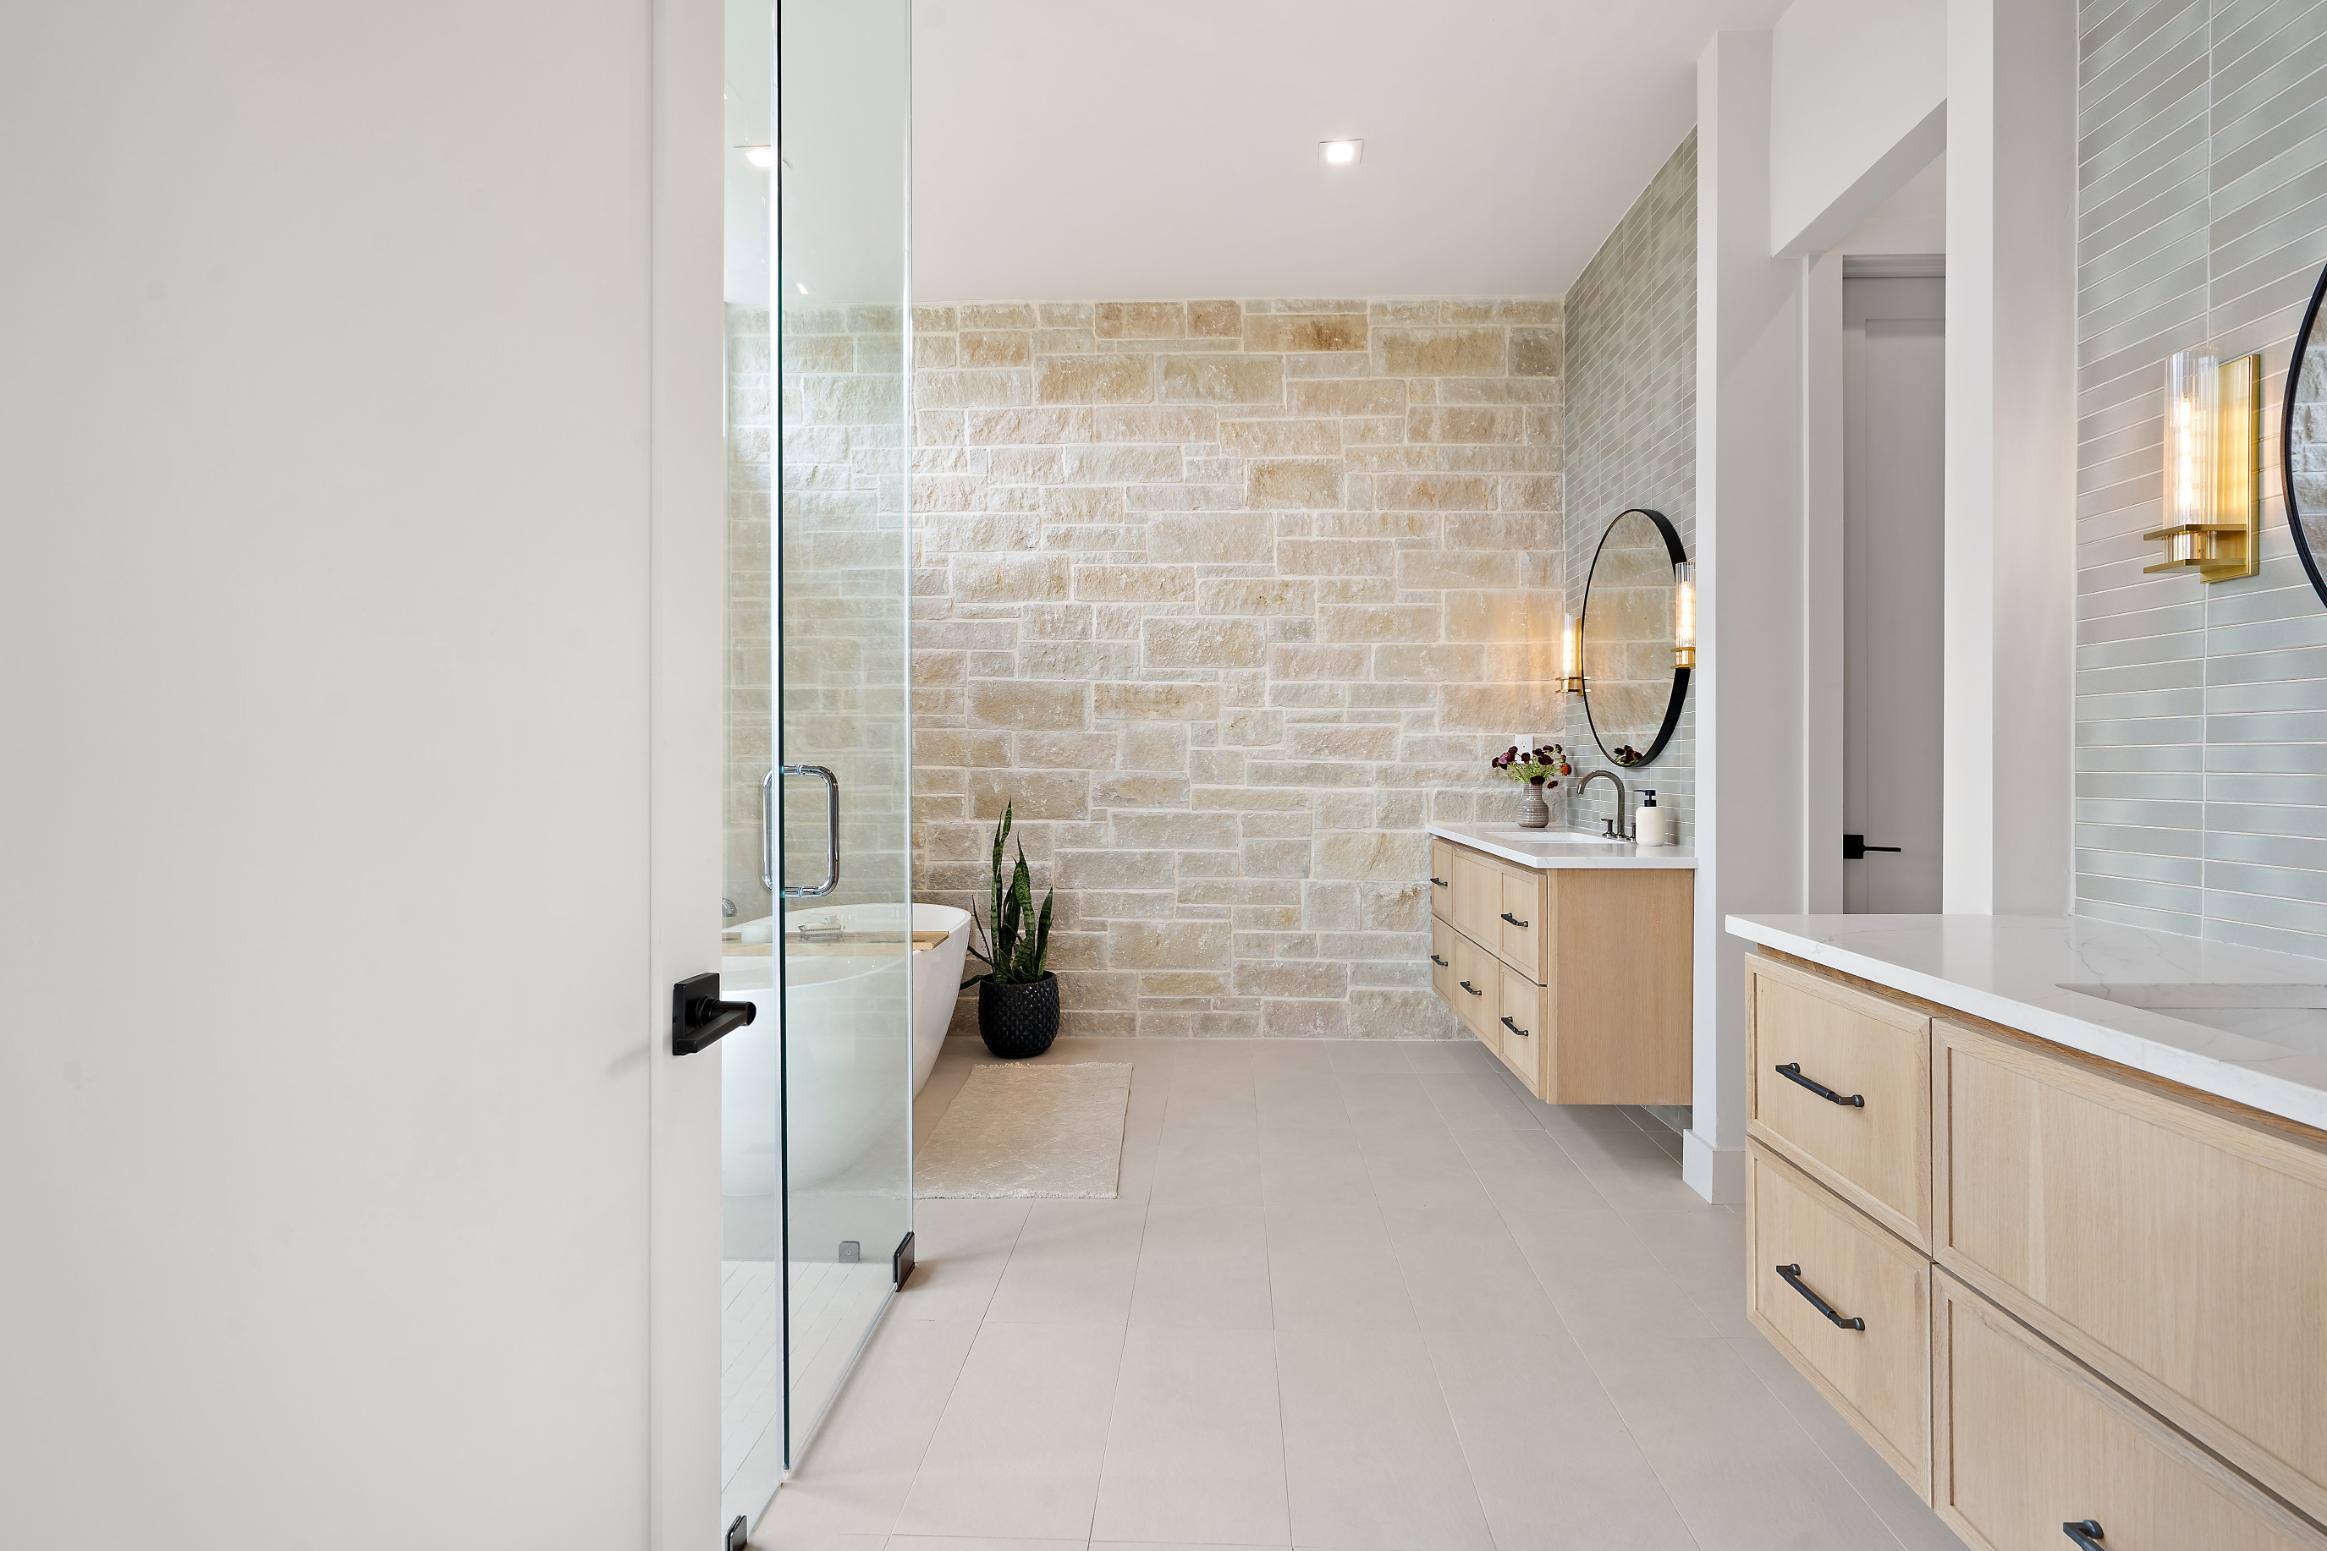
x=1685, y=615
x=1571, y=656
x=2213, y=460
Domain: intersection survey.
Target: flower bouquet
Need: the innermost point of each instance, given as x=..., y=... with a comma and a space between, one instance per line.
x=1539, y=771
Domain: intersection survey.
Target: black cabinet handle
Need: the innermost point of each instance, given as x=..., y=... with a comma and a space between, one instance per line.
x=1514, y=920
x=1792, y=1072
x=1793, y=1276
x=1441, y=963
x=2085, y=1532
x=1438, y=883
x=1473, y=990
x=1514, y=1028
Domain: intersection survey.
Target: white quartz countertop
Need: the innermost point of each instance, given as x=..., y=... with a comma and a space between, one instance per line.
x=1547, y=848
x=2240, y=1023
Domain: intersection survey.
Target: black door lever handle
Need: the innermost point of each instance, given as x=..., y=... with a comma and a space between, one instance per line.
x=1854, y=847
x=699, y=1019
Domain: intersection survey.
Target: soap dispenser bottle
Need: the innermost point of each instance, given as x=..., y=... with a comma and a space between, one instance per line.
x=1651, y=825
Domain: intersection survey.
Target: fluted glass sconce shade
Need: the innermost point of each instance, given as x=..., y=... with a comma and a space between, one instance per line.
x=1685, y=615
x=2213, y=441
x=1571, y=656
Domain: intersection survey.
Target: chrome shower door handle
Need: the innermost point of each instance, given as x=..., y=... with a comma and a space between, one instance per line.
x=768, y=832
x=768, y=867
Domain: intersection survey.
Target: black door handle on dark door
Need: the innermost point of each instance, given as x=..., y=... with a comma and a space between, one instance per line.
x=1854, y=847
x=699, y=1019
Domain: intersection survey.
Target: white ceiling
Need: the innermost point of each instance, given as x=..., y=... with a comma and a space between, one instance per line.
x=1168, y=148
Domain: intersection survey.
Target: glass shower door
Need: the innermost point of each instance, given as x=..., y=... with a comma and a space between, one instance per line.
x=818, y=706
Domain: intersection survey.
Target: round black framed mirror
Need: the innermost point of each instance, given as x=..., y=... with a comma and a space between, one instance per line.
x=2303, y=441
x=1633, y=687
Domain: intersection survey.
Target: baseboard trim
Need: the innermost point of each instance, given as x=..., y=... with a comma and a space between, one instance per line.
x=1716, y=1173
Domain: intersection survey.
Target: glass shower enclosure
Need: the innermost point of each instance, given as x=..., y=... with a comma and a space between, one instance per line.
x=817, y=1094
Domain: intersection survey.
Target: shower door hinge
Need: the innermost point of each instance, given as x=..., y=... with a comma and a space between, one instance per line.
x=738, y=1535
x=901, y=1263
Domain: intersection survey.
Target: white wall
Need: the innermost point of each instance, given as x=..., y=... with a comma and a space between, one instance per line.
x=1750, y=706
x=1911, y=221
x=1857, y=103
x=323, y=607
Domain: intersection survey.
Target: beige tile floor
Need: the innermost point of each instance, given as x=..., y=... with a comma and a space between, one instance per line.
x=1354, y=1296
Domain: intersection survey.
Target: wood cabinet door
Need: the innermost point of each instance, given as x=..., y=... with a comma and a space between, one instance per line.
x=1868, y=1350
x=2179, y=1250
x=1839, y=1081
x=1524, y=1018
x=1478, y=895
x=1522, y=924
x=2028, y=1440
x=1477, y=993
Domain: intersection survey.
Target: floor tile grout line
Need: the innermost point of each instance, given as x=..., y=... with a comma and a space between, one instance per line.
x=1277, y=1371
x=1824, y=1453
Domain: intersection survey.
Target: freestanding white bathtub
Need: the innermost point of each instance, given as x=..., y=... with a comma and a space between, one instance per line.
x=839, y=1026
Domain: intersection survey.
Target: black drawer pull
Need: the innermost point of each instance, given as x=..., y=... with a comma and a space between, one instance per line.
x=1514, y=920
x=1473, y=990
x=1438, y=883
x=1441, y=963
x=1793, y=1276
x=2085, y=1532
x=1514, y=1028
x=1792, y=1072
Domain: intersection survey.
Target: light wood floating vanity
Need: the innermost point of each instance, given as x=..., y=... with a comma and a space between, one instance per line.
x=2071, y=1301
x=1569, y=957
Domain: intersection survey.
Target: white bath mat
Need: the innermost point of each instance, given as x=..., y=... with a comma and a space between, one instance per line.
x=1030, y=1131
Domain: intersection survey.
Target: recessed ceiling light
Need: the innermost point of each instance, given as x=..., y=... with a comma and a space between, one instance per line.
x=1341, y=153
x=761, y=156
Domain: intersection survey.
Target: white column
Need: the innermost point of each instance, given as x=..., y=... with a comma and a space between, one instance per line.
x=2011, y=454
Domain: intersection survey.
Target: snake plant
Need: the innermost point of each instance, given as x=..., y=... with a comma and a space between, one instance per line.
x=1017, y=940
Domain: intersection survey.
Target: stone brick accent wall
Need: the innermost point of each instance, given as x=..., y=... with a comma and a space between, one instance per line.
x=1228, y=598
x=751, y=418
x=1632, y=429
x=838, y=403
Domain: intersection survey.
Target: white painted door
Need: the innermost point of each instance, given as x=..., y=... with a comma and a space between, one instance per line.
x=341, y=796
x=1893, y=426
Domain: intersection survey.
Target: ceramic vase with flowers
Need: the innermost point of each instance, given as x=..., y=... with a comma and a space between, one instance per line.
x=1538, y=772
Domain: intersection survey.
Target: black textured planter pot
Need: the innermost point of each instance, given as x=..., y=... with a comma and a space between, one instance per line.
x=1017, y=1021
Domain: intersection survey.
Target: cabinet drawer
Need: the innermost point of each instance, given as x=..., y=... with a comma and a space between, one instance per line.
x=1868, y=1134
x=1442, y=879
x=1871, y=1356
x=2029, y=1440
x=1476, y=974
x=1478, y=896
x=2179, y=1251
x=1520, y=923
x=1442, y=959
x=1523, y=1015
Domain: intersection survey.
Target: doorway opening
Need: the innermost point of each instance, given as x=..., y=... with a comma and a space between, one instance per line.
x=1893, y=514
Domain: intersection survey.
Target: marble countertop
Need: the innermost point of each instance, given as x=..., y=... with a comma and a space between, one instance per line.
x=1548, y=848
x=2240, y=1023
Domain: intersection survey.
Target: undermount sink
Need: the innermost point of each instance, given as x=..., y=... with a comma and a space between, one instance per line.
x=1563, y=837
x=2292, y=1014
